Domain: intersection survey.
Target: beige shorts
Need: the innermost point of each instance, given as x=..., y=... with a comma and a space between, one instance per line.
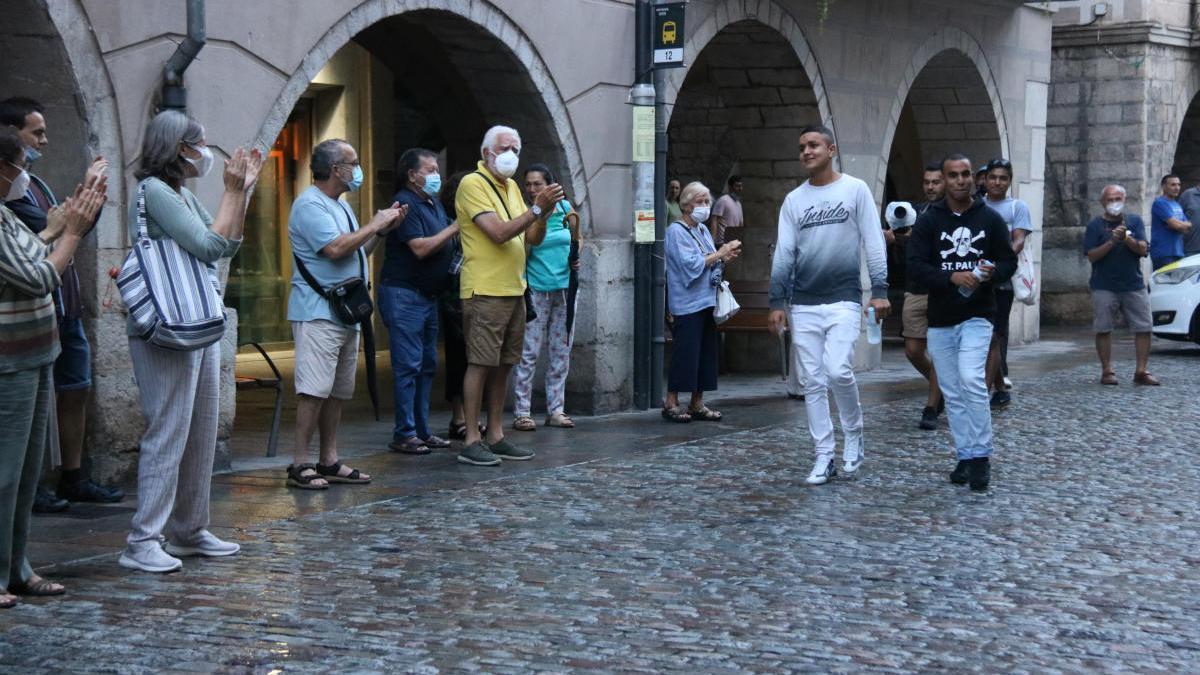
x=326, y=358
x=1135, y=305
x=494, y=328
x=915, y=316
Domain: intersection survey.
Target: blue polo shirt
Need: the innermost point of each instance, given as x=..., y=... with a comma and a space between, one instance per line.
x=1164, y=241
x=402, y=267
x=1120, y=271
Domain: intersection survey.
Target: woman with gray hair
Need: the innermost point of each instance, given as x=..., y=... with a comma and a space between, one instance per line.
x=179, y=389
x=694, y=268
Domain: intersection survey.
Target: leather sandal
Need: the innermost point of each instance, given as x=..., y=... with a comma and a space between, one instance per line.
x=705, y=414
x=560, y=420
x=37, y=587
x=302, y=477
x=333, y=474
x=1109, y=378
x=8, y=601
x=677, y=414
x=524, y=423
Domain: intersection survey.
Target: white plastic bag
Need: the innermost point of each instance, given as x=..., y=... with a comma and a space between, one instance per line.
x=1024, y=282
x=727, y=305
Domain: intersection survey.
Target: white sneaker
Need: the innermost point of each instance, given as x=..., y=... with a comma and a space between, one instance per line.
x=149, y=558
x=206, y=544
x=852, y=453
x=822, y=471
x=1007, y=383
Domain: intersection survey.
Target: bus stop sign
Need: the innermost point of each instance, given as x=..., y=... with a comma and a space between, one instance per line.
x=668, y=35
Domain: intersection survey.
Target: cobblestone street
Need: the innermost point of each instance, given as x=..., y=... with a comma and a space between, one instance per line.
x=708, y=556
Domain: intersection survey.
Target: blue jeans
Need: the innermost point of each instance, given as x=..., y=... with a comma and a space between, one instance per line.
x=959, y=354
x=412, y=324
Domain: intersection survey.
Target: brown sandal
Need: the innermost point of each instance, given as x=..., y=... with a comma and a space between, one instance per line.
x=8, y=600
x=676, y=414
x=705, y=414
x=302, y=477
x=333, y=473
x=38, y=587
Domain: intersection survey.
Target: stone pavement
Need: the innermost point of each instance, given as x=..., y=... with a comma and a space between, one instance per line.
x=708, y=555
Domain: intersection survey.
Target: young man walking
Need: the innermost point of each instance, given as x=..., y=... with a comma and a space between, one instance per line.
x=815, y=276
x=1016, y=216
x=959, y=251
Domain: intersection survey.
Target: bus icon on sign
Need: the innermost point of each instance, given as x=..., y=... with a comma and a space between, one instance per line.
x=668, y=33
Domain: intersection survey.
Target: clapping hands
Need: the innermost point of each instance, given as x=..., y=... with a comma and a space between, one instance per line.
x=242, y=169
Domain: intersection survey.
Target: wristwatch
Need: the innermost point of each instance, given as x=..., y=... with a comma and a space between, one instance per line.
x=536, y=211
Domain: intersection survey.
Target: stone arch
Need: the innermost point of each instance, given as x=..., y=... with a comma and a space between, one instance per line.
x=1184, y=140
x=949, y=40
x=767, y=13
x=483, y=15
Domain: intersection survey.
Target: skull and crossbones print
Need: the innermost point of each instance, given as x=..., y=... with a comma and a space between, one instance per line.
x=961, y=243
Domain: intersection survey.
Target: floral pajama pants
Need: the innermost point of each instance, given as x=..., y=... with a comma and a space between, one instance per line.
x=551, y=325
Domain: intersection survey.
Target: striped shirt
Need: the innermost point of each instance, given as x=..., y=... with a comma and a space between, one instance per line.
x=28, y=328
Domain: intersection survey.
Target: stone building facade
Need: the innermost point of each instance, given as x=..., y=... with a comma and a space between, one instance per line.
x=900, y=83
x=1123, y=109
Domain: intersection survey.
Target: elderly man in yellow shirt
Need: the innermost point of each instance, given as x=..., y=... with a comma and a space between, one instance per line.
x=495, y=224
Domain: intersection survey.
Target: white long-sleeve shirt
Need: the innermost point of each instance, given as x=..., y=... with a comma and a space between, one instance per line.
x=821, y=229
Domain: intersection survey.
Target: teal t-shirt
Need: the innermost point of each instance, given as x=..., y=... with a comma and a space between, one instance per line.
x=547, y=268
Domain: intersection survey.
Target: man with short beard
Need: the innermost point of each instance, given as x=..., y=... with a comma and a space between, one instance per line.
x=815, y=274
x=960, y=250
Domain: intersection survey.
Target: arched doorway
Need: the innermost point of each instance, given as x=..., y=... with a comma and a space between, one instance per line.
x=739, y=111
x=1186, y=161
x=948, y=109
x=451, y=81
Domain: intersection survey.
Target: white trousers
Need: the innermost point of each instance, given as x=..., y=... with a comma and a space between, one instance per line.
x=824, y=337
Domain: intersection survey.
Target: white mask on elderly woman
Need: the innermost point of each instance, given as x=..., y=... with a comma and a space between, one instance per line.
x=700, y=214
x=17, y=186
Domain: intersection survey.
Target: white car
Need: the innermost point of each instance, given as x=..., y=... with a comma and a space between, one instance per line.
x=1175, y=300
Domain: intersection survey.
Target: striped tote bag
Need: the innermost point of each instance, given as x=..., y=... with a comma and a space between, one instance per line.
x=172, y=298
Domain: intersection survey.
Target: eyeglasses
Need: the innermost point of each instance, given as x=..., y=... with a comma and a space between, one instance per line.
x=354, y=163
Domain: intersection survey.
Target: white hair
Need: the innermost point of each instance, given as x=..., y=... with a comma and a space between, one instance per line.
x=1118, y=188
x=493, y=134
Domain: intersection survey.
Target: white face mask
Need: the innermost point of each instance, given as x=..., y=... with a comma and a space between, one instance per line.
x=17, y=187
x=202, y=165
x=1114, y=208
x=506, y=163
x=700, y=214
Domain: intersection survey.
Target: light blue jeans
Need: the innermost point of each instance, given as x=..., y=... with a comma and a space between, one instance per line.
x=412, y=324
x=959, y=354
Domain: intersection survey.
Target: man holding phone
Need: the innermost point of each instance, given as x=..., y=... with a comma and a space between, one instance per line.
x=959, y=250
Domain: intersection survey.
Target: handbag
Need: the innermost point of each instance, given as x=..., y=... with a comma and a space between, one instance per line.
x=726, y=305
x=173, y=299
x=1024, y=282
x=350, y=299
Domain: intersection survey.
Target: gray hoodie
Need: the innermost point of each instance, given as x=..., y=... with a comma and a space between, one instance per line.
x=821, y=229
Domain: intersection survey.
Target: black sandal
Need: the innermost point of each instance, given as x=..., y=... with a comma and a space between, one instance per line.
x=42, y=588
x=705, y=414
x=676, y=414
x=330, y=473
x=457, y=431
x=298, y=479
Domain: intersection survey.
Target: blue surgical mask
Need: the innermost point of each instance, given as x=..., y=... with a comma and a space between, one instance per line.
x=32, y=155
x=356, y=179
x=433, y=184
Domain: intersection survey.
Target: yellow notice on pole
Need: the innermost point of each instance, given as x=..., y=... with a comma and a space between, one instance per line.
x=643, y=133
x=643, y=226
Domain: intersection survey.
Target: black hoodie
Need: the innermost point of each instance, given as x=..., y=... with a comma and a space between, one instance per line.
x=943, y=243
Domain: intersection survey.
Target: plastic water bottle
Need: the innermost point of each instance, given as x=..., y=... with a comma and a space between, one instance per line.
x=874, y=331
x=968, y=292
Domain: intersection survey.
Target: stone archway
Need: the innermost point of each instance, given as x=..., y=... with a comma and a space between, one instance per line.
x=481, y=17
x=951, y=57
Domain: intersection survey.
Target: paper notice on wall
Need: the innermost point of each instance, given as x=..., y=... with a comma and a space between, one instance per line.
x=643, y=226
x=643, y=133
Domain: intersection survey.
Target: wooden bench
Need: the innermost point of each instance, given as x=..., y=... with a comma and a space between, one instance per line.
x=752, y=318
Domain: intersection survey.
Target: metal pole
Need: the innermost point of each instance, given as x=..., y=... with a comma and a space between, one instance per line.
x=658, y=309
x=642, y=94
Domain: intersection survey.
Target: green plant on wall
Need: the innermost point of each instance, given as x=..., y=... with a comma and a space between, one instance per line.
x=823, y=10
